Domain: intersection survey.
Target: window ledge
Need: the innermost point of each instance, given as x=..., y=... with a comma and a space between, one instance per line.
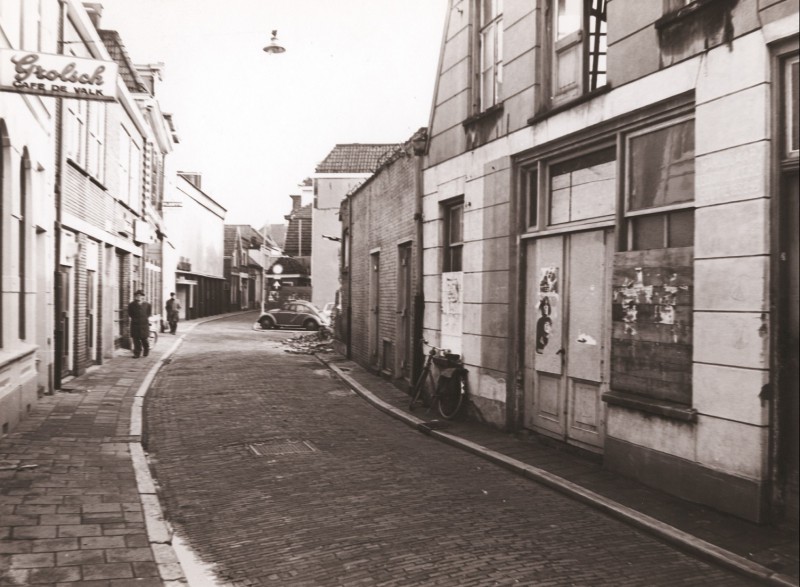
x=491, y=111
x=571, y=104
x=687, y=12
x=16, y=353
x=670, y=410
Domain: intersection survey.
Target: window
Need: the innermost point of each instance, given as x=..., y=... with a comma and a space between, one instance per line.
x=76, y=130
x=661, y=188
x=584, y=187
x=124, y=162
x=490, y=43
x=96, y=153
x=22, y=251
x=577, y=30
x=135, y=177
x=130, y=163
x=11, y=21
x=453, y=235
x=791, y=124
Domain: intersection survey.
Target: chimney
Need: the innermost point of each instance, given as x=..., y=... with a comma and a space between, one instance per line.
x=295, y=202
x=95, y=11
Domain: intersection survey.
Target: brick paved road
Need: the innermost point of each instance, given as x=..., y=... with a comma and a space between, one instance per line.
x=375, y=503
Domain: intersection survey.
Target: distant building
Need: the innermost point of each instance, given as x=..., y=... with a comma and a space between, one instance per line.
x=196, y=265
x=344, y=168
x=246, y=264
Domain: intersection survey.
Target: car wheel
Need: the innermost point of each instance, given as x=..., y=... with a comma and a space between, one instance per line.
x=310, y=325
x=266, y=324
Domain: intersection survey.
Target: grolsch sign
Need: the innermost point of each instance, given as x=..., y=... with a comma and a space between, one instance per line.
x=59, y=76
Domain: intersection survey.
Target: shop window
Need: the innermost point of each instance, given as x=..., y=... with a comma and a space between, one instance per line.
x=453, y=214
x=578, y=38
x=490, y=51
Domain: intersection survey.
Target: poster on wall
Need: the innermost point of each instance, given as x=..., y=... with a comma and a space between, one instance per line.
x=452, y=310
x=548, y=320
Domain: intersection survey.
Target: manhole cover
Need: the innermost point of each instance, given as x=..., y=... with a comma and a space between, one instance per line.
x=281, y=447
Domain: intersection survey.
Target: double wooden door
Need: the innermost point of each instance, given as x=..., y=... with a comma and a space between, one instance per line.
x=566, y=325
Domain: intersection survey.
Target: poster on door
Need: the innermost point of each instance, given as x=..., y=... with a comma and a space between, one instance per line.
x=548, y=320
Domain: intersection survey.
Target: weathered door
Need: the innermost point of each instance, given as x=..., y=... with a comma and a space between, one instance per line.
x=567, y=315
x=374, y=306
x=404, y=310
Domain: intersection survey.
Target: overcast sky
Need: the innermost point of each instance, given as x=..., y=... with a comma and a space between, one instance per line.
x=255, y=125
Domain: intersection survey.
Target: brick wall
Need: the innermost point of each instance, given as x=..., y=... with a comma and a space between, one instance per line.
x=381, y=213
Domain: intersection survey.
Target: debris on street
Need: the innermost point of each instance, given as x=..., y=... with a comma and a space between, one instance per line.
x=308, y=344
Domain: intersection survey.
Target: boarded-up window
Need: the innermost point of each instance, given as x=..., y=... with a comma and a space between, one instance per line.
x=583, y=188
x=651, y=345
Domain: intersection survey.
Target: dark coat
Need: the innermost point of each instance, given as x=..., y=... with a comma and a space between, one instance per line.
x=173, y=308
x=140, y=319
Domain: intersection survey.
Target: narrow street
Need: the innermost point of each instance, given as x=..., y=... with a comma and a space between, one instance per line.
x=277, y=474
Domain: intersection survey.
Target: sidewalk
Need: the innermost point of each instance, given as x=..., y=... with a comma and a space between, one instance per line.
x=77, y=503
x=762, y=552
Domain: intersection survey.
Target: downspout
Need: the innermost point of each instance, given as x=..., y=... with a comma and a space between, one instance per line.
x=420, y=145
x=58, y=284
x=349, y=245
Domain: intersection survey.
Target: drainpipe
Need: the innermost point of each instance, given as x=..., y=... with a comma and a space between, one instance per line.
x=58, y=284
x=419, y=145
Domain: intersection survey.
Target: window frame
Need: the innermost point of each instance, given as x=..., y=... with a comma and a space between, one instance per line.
x=484, y=27
x=588, y=77
x=666, y=212
x=450, y=246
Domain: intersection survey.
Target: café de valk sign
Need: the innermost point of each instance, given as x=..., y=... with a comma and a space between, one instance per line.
x=59, y=76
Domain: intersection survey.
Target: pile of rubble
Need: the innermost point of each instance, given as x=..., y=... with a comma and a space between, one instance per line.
x=308, y=344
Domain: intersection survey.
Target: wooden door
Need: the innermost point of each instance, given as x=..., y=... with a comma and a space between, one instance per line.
x=374, y=307
x=567, y=315
x=404, y=310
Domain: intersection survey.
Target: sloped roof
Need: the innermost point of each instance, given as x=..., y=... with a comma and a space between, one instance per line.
x=116, y=49
x=354, y=158
x=231, y=235
x=250, y=235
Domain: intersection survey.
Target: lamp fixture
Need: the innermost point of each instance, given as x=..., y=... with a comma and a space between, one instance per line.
x=274, y=47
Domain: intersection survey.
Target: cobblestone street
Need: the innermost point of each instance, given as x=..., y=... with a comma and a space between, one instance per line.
x=277, y=474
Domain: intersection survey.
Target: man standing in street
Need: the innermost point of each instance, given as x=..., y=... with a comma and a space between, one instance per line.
x=173, y=310
x=139, y=313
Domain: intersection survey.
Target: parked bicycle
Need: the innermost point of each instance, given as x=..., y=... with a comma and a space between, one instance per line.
x=449, y=390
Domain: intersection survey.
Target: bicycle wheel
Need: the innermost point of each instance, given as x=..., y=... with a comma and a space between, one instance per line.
x=416, y=394
x=450, y=394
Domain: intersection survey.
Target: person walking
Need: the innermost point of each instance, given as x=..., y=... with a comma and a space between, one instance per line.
x=173, y=312
x=139, y=313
